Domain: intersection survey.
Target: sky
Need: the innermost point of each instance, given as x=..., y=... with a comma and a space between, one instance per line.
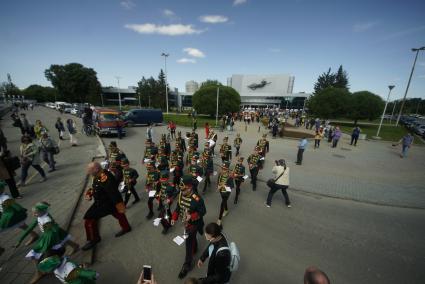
x=213, y=39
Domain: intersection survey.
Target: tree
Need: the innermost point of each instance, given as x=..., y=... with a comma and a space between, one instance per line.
x=324, y=81
x=365, y=105
x=10, y=89
x=74, y=82
x=40, y=93
x=205, y=100
x=341, y=78
x=330, y=103
x=152, y=92
x=329, y=79
x=210, y=82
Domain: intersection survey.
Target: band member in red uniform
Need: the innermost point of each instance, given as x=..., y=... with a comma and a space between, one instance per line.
x=107, y=201
x=191, y=209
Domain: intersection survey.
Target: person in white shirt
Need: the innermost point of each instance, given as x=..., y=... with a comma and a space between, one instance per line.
x=281, y=172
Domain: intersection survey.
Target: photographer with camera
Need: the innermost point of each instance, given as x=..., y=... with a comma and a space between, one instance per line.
x=280, y=181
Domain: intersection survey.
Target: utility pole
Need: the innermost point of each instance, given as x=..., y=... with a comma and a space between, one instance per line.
x=408, y=83
x=119, y=92
x=166, y=77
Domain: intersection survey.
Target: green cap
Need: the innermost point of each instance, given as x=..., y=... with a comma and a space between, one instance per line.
x=49, y=264
x=186, y=180
x=42, y=206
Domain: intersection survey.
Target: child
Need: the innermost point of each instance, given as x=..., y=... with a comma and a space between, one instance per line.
x=67, y=271
x=12, y=214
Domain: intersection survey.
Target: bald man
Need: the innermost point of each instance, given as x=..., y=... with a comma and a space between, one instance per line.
x=313, y=275
x=107, y=201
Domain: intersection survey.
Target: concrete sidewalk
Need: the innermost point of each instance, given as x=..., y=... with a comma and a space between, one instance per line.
x=61, y=190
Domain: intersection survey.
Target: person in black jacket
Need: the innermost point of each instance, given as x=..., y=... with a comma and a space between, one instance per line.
x=219, y=256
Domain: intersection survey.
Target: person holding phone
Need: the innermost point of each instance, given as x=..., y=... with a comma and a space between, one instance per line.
x=191, y=209
x=219, y=256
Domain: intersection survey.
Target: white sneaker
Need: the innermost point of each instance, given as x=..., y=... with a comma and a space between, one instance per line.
x=289, y=206
x=268, y=206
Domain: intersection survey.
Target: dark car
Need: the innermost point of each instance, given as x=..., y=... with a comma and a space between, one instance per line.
x=143, y=116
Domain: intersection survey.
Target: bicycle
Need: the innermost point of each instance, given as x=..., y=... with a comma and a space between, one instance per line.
x=89, y=130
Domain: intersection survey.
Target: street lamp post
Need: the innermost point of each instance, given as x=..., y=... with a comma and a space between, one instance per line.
x=216, y=110
x=166, y=77
x=119, y=93
x=390, y=87
x=408, y=83
x=392, y=113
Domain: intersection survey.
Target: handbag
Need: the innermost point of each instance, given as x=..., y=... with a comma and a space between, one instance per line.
x=12, y=163
x=271, y=182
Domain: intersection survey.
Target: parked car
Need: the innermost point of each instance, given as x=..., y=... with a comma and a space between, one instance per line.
x=50, y=105
x=106, y=121
x=420, y=129
x=143, y=116
x=67, y=110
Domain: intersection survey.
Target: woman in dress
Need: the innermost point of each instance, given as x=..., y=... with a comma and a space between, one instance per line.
x=52, y=236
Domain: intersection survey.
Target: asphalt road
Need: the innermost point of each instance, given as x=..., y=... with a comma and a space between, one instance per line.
x=353, y=242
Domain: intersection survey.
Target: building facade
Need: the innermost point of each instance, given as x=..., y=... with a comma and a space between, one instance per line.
x=192, y=86
x=264, y=90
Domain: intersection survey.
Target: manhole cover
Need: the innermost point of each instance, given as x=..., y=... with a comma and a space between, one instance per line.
x=338, y=156
x=345, y=149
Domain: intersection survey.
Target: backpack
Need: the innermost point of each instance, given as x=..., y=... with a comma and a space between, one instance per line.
x=235, y=257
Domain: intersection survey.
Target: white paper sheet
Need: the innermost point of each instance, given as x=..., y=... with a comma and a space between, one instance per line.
x=262, y=159
x=172, y=170
x=152, y=193
x=146, y=160
x=245, y=176
x=199, y=179
x=228, y=189
x=178, y=240
x=156, y=222
x=215, y=173
x=212, y=142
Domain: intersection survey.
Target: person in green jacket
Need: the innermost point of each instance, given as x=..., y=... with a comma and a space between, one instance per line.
x=67, y=271
x=12, y=214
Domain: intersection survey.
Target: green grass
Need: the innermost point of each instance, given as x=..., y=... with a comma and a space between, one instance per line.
x=388, y=133
x=185, y=120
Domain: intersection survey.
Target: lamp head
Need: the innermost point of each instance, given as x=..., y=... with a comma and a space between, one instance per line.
x=391, y=87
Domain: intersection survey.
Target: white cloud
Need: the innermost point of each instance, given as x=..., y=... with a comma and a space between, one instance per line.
x=194, y=52
x=186, y=60
x=275, y=50
x=128, y=4
x=362, y=27
x=239, y=2
x=213, y=19
x=170, y=30
x=402, y=33
x=168, y=13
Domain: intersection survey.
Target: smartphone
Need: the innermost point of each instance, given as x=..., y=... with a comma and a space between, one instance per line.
x=147, y=272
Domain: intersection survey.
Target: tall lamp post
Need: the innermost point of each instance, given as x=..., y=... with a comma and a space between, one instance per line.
x=166, y=77
x=119, y=92
x=392, y=113
x=390, y=87
x=408, y=83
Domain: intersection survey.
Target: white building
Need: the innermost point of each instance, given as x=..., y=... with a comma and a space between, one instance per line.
x=264, y=90
x=191, y=86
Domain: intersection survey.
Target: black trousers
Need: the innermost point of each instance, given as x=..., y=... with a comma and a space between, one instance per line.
x=254, y=173
x=207, y=182
x=191, y=247
x=238, y=184
x=354, y=139
x=223, y=206
x=237, y=151
x=12, y=187
x=300, y=156
x=131, y=190
x=273, y=190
